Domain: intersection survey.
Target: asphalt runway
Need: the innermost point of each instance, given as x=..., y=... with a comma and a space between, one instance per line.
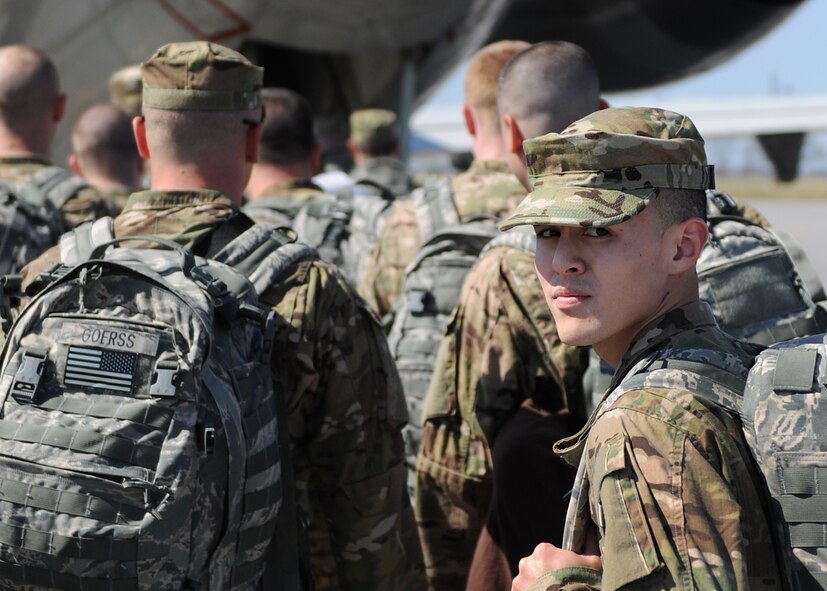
x=806, y=221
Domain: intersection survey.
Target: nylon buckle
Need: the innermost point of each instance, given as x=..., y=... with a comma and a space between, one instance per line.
x=166, y=379
x=27, y=378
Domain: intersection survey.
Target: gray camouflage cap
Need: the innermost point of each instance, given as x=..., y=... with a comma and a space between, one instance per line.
x=608, y=166
x=200, y=76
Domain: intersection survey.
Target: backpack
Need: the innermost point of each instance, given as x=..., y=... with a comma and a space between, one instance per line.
x=142, y=445
x=782, y=405
x=430, y=291
x=345, y=227
x=30, y=219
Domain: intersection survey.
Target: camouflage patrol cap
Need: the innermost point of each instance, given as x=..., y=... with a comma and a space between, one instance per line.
x=608, y=166
x=125, y=88
x=200, y=76
x=373, y=127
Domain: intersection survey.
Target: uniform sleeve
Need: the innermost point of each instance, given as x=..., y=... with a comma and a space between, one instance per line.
x=674, y=504
x=346, y=411
x=397, y=246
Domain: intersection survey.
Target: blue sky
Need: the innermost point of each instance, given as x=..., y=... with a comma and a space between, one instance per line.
x=791, y=59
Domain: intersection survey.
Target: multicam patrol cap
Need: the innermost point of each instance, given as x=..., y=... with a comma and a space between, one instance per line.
x=607, y=167
x=125, y=88
x=200, y=76
x=373, y=127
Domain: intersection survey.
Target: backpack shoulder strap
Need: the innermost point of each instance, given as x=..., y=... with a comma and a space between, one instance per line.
x=77, y=245
x=435, y=207
x=51, y=183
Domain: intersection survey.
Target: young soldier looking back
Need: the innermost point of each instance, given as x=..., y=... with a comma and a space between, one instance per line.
x=664, y=480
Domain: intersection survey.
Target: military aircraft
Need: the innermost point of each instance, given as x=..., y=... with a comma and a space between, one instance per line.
x=347, y=54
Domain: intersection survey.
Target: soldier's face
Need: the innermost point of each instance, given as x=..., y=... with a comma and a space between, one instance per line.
x=604, y=284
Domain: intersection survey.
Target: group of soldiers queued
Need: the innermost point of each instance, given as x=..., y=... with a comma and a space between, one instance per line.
x=665, y=497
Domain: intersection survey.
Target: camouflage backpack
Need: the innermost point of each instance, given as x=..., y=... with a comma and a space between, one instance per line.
x=30, y=220
x=345, y=227
x=782, y=406
x=141, y=440
x=430, y=291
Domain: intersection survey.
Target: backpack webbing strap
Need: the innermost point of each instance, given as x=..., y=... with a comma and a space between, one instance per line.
x=105, y=446
x=435, y=208
x=70, y=503
x=794, y=370
x=222, y=235
x=522, y=238
x=136, y=411
x=32, y=576
x=47, y=542
x=77, y=245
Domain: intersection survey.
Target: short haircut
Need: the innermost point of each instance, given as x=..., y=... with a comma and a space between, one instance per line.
x=673, y=206
x=103, y=141
x=482, y=76
x=28, y=85
x=288, y=127
x=549, y=86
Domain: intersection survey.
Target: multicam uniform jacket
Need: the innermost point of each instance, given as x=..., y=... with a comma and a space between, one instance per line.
x=500, y=348
x=487, y=187
x=344, y=403
x=86, y=203
x=667, y=482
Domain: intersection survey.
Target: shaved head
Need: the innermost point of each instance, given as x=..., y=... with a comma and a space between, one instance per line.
x=482, y=76
x=28, y=86
x=549, y=86
x=102, y=140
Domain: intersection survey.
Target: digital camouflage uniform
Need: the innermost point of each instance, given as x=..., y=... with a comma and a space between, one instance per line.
x=85, y=203
x=487, y=187
x=388, y=171
x=501, y=347
x=664, y=479
x=344, y=403
x=280, y=202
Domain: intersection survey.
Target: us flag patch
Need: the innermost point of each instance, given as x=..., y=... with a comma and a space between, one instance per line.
x=98, y=368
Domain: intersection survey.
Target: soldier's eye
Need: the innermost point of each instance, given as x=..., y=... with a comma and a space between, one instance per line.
x=546, y=232
x=596, y=232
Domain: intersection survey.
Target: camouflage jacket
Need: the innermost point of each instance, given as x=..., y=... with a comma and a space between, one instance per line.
x=344, y=401
x=280, y=202
x=387, y=171
x=86, y=203
x=500, y=348
x=666, y=480
x=487, y=187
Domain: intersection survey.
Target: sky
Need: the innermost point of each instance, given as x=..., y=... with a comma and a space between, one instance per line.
x=791, y=59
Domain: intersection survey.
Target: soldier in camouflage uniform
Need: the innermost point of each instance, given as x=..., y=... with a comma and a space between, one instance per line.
x=201, y=125
x=31, y=107
x=288, y=157
x=502, y=360
x=487, y=187
x=374, y=145
x=125, y=89
x=665, y=484
x=104, y=153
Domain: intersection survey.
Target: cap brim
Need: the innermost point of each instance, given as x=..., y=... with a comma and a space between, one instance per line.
x=578, y=206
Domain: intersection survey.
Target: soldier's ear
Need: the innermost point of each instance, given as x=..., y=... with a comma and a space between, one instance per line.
x=74, y=164
x=316, y=158
x=688, y=239
x=470, y=119
x=59, y=108
x=139, y=130
x=513, y=135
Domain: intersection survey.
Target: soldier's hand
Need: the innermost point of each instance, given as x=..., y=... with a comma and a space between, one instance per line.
x=546, y=558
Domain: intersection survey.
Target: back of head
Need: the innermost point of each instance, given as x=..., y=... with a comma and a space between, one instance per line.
x=104, y=144
x=482, y=78
x=548, y=86
x=29, y=85
x=288, y=135
x=374, y=131
x=197, y=97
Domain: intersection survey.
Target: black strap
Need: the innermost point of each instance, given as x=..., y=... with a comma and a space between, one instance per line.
x=222, y=235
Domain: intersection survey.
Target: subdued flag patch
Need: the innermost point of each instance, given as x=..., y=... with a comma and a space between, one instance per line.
x=97, y=368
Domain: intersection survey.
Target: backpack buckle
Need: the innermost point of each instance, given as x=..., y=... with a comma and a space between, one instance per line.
x=166, y=379
x=27, y=378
